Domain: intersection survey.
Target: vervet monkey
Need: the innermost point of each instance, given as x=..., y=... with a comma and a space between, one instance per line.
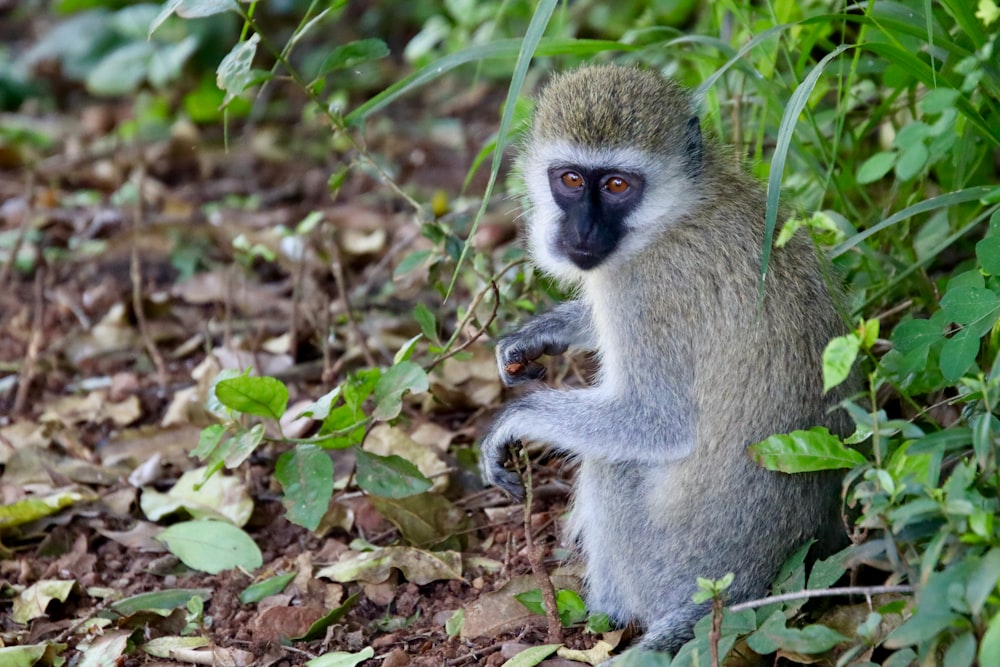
x=660, y=235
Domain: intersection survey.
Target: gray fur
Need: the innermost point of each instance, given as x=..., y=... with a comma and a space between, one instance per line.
x=693, y=370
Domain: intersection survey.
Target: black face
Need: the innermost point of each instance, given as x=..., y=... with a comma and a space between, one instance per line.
x=595, y=203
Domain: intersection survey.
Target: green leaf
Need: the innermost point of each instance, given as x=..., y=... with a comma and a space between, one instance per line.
x=838, y=358
x=318, y=629
x=190, y=9
x=571, y=608
x=875, y=167
x=428, y=323
x=235, y=73
x=805, y=451
x=810, y=639
x=532, y=656
x=238, y=448
x=939, y=99
x=415, y=260
x=915, y=334
x=159, y=602
x=959, y=353
x=211, y=546
x=262, y=589
x=988, y=254
x=983, y=581
x=306, y=477
x=352, y=55
x=912, y=161
x=389, y=476
x=989, y=646
x=209, y=439
x=968, y=305
x=396, y=381
x=259, y=396
x=342, y=659
x=962, y=651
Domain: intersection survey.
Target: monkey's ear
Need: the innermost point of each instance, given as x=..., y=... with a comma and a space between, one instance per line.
x=694, y=148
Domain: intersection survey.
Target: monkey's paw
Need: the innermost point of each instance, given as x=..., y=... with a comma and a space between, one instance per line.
x=516, y=360
x=493, y=456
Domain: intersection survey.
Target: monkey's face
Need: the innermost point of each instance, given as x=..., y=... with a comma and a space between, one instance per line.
x=591, y=209
x=594, y=204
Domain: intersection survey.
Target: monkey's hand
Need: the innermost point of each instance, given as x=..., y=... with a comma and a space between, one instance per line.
x=516, y=357
x=494, y=453
x=565, y=326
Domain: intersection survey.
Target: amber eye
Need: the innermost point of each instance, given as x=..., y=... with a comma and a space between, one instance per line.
x=616, y=185
x=571, y=179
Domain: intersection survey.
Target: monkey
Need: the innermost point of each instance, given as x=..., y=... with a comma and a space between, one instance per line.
x=658, y=235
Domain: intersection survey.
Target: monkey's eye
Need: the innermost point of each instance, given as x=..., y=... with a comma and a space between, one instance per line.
x=616, y=185
x=571, y=179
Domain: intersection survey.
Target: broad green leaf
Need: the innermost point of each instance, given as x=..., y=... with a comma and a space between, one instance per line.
x=838, y=358
x=958, y=354
x=983, y=581
x=30, y=509
x=911, y=162
x=320, y=408
x=969, y=305
x=259, y=396
x=168, y=61
x=238, y=448
x=306, y=477
x=209, y=439
x=235, y=73
x=989, y=646
x=875, y=167
x=805, y=451
x=988, y=254
x=342, y=659
x=389, y=476
x=937, y=100
x=353, y=54
x=773, y=635
x=428, y=323
x=415, y=260
x=190, y=9
x=404, y=377
x=530, y=657
x=915, y=334
x=211, y=546
x=28, y=655
x=159, y=602
x=262, y=589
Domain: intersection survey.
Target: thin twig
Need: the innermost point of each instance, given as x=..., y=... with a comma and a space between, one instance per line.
x=715, y=633
x=555, y=630
x=28, y=214
x=345, y=302
x=867, y=591
x=135, y=273
x=31, y=358
x=476, y=336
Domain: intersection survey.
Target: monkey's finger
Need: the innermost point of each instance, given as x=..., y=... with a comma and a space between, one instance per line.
x=510, y=483
x=517, y=372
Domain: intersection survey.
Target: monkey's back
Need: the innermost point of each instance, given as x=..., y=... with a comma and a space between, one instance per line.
x=743, y=372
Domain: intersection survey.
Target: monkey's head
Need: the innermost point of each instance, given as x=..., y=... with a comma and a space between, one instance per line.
x=614, y=155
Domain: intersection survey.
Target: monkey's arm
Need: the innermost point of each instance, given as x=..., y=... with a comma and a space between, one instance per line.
x=567, y=325
x=590, y=424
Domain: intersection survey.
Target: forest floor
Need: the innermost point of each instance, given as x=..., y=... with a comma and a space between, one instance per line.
x=133, y=286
